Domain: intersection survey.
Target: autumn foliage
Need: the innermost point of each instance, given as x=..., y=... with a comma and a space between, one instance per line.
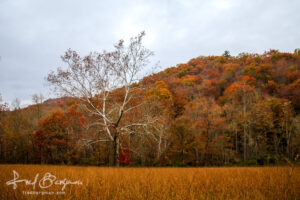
x=214, y=110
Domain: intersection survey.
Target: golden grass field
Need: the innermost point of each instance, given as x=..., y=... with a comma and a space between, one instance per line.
x=155, y=183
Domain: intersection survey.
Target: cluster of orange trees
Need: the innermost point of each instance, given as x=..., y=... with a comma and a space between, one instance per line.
x=214, y=110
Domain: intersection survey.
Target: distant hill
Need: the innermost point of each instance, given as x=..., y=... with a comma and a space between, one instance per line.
x=212, y=110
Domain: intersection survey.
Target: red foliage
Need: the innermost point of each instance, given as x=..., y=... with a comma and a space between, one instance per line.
x=124, y=154
x=292, y=76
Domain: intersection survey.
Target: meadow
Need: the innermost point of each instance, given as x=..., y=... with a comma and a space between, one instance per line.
x=149, y=183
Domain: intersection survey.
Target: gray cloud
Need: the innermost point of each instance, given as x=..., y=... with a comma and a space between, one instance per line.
x=34, y=34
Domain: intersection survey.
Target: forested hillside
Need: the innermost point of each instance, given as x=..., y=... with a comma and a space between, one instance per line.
x=214, y=110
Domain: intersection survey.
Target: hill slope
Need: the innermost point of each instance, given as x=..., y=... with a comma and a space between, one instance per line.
x=214, y=110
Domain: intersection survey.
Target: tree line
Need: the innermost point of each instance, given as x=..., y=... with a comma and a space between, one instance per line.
x=210, y=111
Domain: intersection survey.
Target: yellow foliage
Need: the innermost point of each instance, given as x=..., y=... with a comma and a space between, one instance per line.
x=188, y=81
x=161, y=91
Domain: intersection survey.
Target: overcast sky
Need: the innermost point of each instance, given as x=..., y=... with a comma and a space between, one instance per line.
x=35, y=33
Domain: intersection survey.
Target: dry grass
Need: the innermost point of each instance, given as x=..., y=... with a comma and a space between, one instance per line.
x=158, y=183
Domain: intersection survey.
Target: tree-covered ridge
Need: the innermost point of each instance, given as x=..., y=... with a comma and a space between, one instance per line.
x=243, y=108
x=214, y=110
x=272, y=73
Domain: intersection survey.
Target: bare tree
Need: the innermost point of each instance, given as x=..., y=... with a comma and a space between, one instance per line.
x=93, y=79
x=16, y=104
x=38, y=100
